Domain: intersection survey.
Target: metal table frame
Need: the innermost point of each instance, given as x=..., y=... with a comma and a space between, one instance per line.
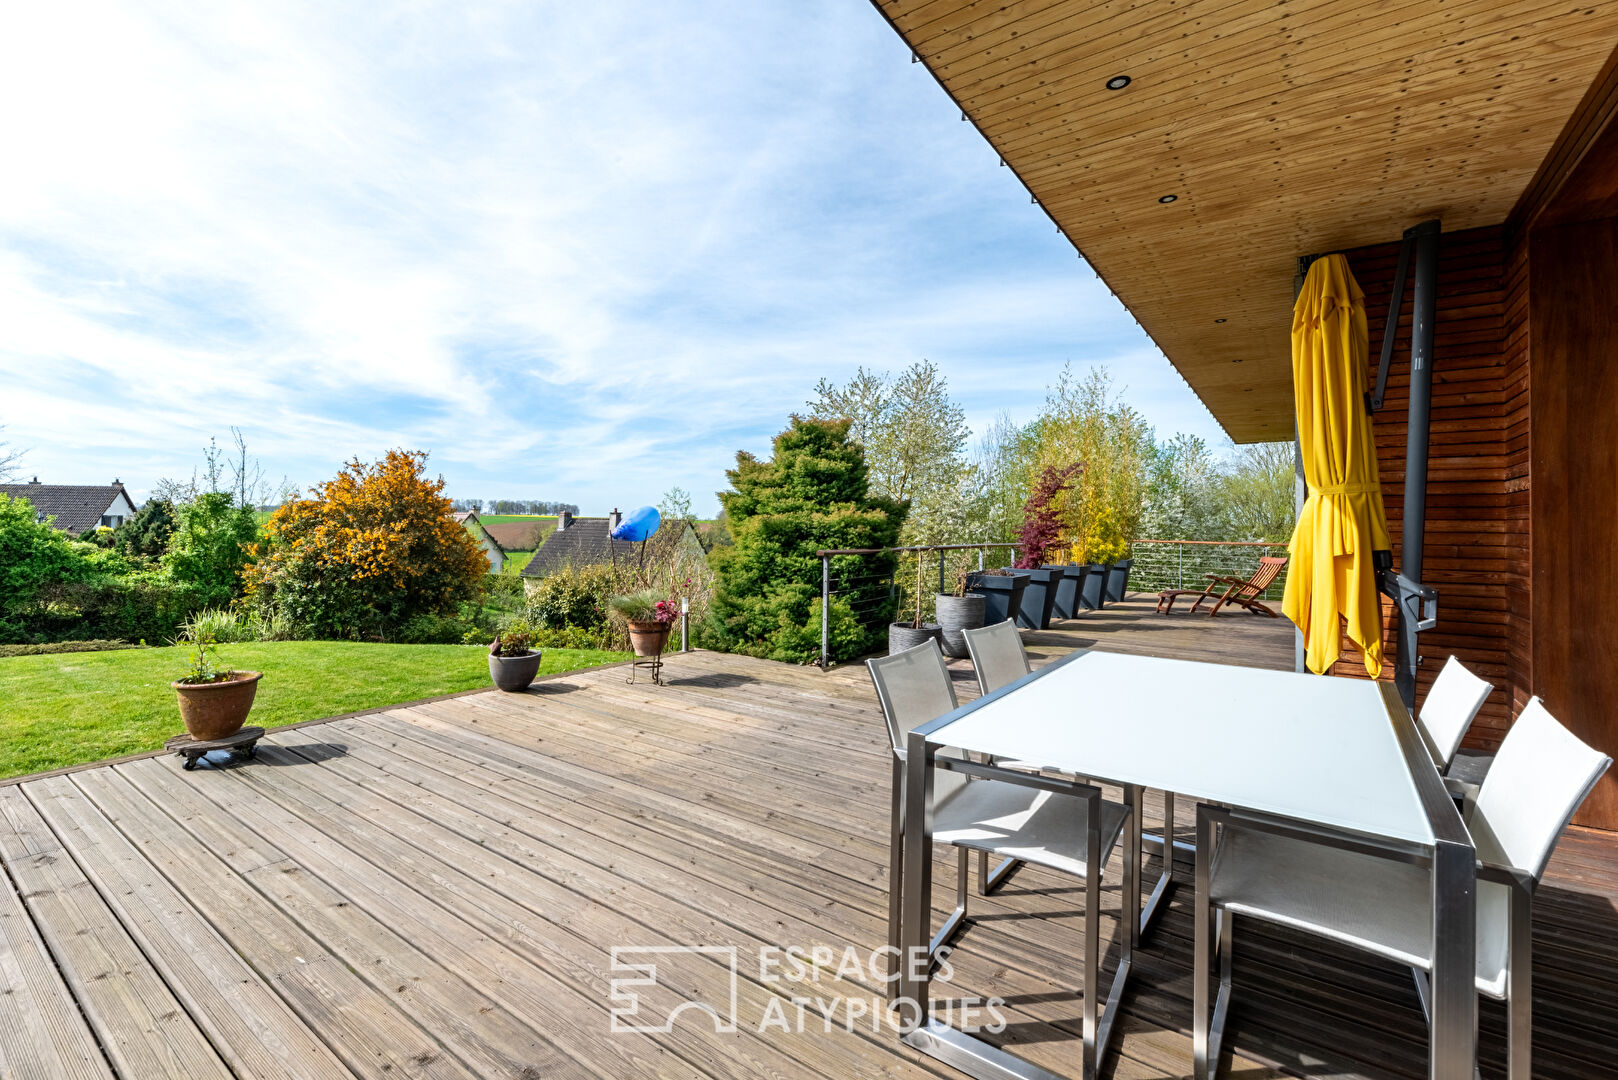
x=1451, y=858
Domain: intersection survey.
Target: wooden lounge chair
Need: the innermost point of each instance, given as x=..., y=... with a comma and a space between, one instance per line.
x=1234, y=590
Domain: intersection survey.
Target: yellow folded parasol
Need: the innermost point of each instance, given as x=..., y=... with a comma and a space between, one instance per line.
x=1342, y=521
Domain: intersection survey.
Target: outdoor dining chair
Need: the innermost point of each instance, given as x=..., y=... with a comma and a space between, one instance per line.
x=1268, y=870
x=1448, y=710
x=997, y=654
x=996, y=817
x=999, y=659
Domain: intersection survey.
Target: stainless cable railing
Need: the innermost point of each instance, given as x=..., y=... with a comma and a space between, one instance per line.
x=1185, y=564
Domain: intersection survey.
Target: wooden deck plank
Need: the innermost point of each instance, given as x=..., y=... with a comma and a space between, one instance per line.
x=476, y=1028
x=453, y=843
x=41, y=1030
x=365, y=1027
x=143, y=1028
x=247, y=1024
x=435, y=891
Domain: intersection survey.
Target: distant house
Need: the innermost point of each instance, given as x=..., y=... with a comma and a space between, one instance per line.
x=585, y=541
x=491, y=547
x=76, y=508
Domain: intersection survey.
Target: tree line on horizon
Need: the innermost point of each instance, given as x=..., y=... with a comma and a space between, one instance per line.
x=539, y=507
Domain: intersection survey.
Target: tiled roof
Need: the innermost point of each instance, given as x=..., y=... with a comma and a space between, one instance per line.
x=76, y=508
x=583, y=543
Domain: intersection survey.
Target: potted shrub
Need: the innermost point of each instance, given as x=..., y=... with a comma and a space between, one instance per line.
x=958, y=611
x=1041, y=528
x=907, y=635
x=1002, y=590
x=214, y=703
x=513, y=664
x=649, y=616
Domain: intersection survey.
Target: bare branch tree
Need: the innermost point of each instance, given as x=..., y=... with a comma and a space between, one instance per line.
x=8, y=460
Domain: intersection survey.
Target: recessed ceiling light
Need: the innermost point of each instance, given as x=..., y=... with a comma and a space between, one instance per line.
x=1118, y=82
x=1168, y=198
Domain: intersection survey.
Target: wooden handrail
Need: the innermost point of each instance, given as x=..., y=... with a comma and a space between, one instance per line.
x=924, y=547
x=1219, y=543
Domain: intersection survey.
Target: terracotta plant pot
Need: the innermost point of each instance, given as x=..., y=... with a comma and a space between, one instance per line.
x=648, y=638
x=215, y=710
x=514, y=673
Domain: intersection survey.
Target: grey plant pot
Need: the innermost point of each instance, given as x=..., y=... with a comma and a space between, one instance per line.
x=513, y=673
x=1038, y=598
x=902, y=637
x=956, y=614
x=1068, y=591
x=1002, y=594
x=1118, y=580
x=1094, y=593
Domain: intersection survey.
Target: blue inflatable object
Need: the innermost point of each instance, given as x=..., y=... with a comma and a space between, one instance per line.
x=639, y=524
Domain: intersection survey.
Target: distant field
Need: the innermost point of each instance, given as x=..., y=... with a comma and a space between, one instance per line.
x=496, y=519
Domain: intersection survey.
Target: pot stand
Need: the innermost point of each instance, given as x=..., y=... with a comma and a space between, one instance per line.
x=653, y=664
x=243, y=744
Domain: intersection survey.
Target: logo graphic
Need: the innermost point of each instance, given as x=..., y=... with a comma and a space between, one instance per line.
x=703, y=985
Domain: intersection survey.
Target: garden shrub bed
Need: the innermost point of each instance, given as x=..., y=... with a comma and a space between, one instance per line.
x=65, y=647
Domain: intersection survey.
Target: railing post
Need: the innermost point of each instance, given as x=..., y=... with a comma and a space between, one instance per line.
x=980, y=559
x=1179, y=573
x=941, y=572
x=825, y=612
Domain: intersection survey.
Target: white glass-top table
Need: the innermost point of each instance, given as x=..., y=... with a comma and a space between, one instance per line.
x=1338, y=755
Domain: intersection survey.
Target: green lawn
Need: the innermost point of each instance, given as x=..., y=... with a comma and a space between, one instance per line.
x=68, y=708
x=515, y=561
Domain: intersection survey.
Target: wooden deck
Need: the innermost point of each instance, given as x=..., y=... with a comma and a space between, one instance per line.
x=436, y=891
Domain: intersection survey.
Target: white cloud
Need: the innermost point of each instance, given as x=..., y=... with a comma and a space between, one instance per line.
x=577, y=251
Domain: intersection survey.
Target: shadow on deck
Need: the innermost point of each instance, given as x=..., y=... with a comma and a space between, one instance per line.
x=437, y=891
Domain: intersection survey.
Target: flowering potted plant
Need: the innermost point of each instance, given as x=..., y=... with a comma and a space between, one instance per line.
x=649, y=616
x=214, y=703
x=513, y=665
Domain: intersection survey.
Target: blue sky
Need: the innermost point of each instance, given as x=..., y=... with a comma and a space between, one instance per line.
x=576, y=251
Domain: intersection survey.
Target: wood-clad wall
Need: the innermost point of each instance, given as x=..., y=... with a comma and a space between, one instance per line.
x=1522, y=495
x=1473, y=553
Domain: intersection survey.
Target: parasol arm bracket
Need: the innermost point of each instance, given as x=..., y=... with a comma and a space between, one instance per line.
x=1418, y=603
x=1390, y=325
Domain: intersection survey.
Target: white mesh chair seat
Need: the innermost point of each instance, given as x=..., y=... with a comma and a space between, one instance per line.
x=1449, y=708
x=1539, y=779
x=1362, y=900
x=1022, y=823
x=998, y=815
x=999, y=659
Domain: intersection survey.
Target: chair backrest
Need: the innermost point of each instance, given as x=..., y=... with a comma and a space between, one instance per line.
x=913, y=688
x=997, y=655
x=1538, y=780
x=1451, y=703
x=1268, y=567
